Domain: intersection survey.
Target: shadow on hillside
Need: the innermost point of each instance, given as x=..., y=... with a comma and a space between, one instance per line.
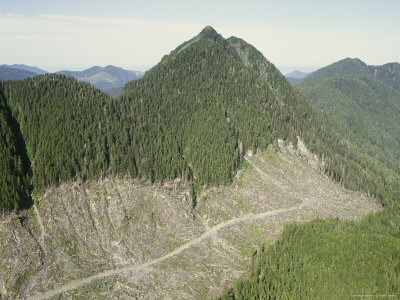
x=26, y=200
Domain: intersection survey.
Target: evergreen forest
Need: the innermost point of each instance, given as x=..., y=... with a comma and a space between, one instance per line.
x=333, y=259
x=194, y=116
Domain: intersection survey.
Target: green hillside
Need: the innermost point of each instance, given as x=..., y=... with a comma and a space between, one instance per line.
x=388, y=73
x=14, y=163
x=192, y=116
x=366, y=107
x=336, y=259
x=65, y=125
x=195, y=105
x=328, y=259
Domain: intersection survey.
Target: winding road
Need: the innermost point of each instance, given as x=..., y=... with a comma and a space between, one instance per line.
x=207, y=234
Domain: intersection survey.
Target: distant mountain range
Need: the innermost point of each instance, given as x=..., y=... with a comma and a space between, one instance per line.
x=7, y=73
x=34, y=70
x=296, y=76
x=110, y=79
x=106, y=78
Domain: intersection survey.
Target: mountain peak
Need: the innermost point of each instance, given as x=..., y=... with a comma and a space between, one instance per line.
x=209, y=32
x=353, y=67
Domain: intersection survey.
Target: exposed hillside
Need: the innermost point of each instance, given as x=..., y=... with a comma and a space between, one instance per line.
x=31, y=69
x=367, y=108
x=104, y=78
x=124, y=238
x=7, y=73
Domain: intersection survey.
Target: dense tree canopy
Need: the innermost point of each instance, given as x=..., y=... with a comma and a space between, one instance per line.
x=327, y=259
x=332, y=259
x=14, y=163
x=192, y=116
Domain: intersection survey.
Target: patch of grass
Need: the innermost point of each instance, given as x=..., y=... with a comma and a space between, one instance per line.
x=69, y=247
x=271, y=156
x=240, y=205
x=245, y=166
x=197, y=189
x=256, y=230
x=22, y=278
x=223, y=215
x=244, y=246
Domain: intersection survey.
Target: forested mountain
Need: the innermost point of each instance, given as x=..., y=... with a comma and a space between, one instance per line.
x=104, y=78
x=7, y=73
x=364, y=101
x=192, y=116
x=258, y=104
x=388, y=73
x=64, y=123
x=335, y=259
x=31, y=69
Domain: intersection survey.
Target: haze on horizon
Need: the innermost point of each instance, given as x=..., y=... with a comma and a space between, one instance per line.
x=302, y=35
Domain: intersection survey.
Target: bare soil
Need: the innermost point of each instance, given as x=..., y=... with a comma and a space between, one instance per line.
x=122, y=238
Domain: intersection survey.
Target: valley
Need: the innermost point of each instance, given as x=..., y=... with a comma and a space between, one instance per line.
x=125, y=238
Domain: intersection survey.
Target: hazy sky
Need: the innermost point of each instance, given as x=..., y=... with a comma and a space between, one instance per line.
x=305, y=35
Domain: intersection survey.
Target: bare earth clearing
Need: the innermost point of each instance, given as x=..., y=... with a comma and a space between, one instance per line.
x=126, y=239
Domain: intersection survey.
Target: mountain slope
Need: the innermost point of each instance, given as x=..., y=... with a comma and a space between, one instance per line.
x=7, y=73
x=104, y=78
x=192, y=116
x=183, y=131
x=345, y=67
x=122, y=238
x=366, y=107
x=14, y=163
x=31, y=69
x=388, y=73
x=195, y=105
x=327, y=259
x=65, y=125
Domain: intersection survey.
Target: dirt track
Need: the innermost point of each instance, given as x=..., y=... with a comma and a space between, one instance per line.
x=135, y=268
x=213, y=231
x=127, y=239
